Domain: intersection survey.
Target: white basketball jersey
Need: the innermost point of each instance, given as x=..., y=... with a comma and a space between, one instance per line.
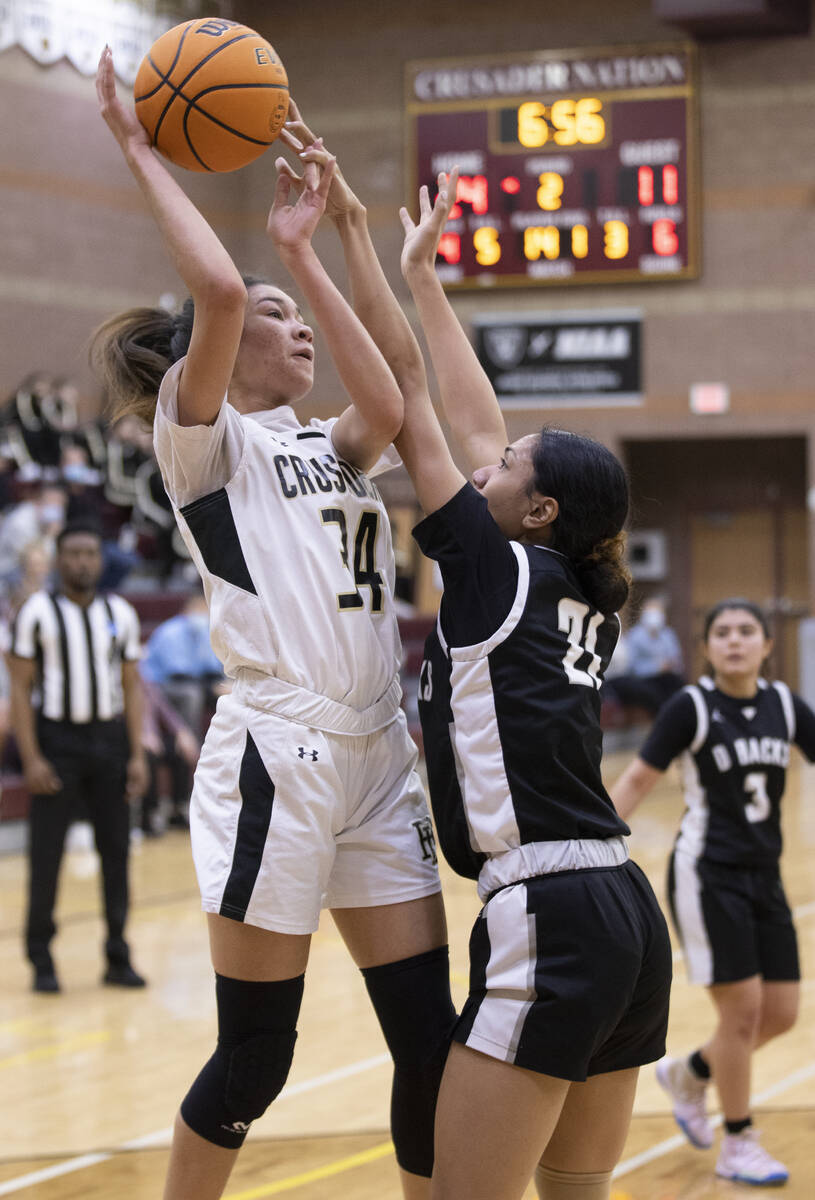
x=294, y=549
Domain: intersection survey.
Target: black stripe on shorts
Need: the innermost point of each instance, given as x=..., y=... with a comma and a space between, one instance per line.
x=257, y=797
x=480, y=950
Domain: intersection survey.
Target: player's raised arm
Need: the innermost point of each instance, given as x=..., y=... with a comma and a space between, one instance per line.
x=202, y=262
x=365, y=430
x=469, y=401
x=421, y=443
x=371, y=294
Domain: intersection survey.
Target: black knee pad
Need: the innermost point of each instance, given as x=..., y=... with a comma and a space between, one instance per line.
x=415, y=1010
x=256, y=1036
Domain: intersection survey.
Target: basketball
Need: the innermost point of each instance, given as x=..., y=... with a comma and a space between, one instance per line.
x=212, y=94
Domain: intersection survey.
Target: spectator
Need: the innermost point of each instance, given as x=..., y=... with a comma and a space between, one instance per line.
x=654, y=662
x=39, y=420
x=171, y=747
x=5, y=688
x=36, y=564
x=84, y=485
x=39, y=516
x=153, y=515
x=181, y=661
x=130, y=445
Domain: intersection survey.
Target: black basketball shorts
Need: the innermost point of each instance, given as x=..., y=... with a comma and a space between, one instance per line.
x=570, y=974
x=734, y=922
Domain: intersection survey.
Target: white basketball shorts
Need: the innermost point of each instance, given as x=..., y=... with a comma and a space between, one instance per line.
x=286, y=820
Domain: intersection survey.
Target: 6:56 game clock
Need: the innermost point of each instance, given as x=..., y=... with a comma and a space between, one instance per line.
x=577, y=166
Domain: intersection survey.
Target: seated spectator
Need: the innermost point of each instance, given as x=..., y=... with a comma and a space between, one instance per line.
x=36, y=565
x=39, y=516
x=654, y=668
x=180, y=660
x=5, y=696
x=172, y=751
x=84, y=485
x=8, y=474
x=153, y=515
x=28, y=431
x=130, y=445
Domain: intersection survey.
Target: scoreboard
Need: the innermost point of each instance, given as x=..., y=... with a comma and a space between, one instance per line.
x=577, y=166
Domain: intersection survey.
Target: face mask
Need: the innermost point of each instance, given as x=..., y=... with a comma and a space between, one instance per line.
x=653, y=619
x=51, y=513
x=79, y=473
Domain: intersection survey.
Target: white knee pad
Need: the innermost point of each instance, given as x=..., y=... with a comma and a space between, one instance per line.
x=567, y=1185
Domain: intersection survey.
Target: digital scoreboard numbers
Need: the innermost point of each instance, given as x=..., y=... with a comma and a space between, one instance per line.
x=576, y=166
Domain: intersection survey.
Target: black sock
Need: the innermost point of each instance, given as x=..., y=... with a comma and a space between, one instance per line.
x=698, y=1065
x=734, y=1127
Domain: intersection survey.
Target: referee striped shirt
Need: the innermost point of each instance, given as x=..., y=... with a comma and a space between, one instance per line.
x=79, y=652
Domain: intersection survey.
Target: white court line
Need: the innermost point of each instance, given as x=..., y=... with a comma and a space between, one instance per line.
x=366, y=1064
x=624, y=1168
x=662, y=1148
x=163, y=1135
x=296, y=1089
x=65, y=1168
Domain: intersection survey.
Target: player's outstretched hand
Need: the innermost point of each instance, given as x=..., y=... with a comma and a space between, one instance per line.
x=122, y=122
x=422, y=240
x=291, y=225
x=341, y=200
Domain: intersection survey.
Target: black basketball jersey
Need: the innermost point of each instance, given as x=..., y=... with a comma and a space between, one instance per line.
x=509, y=693
x=734, y=759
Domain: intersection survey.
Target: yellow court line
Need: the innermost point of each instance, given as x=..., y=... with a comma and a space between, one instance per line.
x=24, y=1024
x=335, y=1168
x=80, y=1042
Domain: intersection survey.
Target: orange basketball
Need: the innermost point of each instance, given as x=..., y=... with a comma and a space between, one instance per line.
x=212, y=94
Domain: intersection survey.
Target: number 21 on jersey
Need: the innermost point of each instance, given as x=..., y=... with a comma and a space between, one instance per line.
x=582, y=638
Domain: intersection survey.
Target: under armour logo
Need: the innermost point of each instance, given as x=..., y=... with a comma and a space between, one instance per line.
x=237, y=1126
x=427, y=838
x=302, y=752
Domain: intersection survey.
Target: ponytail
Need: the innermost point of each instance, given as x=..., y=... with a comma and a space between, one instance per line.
x=603, y=575
x=132, y=352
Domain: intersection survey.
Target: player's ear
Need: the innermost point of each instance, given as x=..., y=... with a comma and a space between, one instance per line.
x=542, y=511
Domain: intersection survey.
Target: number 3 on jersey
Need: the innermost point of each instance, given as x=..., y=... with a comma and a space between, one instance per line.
x=582, y=638
x=758, y=806
x=365, y=573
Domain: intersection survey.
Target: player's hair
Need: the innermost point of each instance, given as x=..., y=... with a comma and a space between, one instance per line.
x=132, y=352
x=591, y=489
x=736, y=602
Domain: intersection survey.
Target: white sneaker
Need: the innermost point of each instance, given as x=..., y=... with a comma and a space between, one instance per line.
x=687, y=1094
x=742, y=1157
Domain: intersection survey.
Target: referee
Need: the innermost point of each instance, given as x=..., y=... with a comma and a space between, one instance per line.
x=76, y=714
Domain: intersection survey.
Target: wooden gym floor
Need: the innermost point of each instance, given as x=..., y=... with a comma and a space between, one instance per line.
x=90, y=1079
